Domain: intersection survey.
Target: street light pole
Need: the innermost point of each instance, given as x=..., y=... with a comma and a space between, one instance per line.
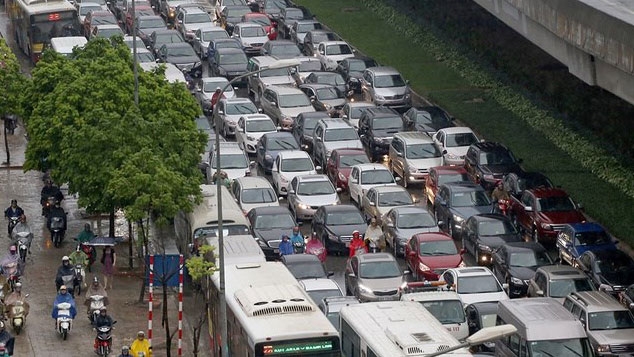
x=487, y=334
x=134, y=59
x=223, y=305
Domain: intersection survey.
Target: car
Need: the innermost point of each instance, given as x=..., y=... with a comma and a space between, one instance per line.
x=515, y=264
x=334, y=225
x=221, y=43
x=280, y=49
x=333, y=134
x=268, y=224
x=401, y=223
x=377, y=127
x=191, y=18
x=307, y=65
x=262, y=20
x=143, y=55
x=273, y=8
x=577, y=238
x=542, y=213
x=373, y=277
x=283, y=104
x=122, y=7
x=251, y=36
x=161, y=37
x=411, y=155
x=325, y=98
x=288, y=16
x=516, y=183
x=172, y=73
x=83, y=8
x=261, y=79
x=428, y=255
x=378, y=200
x=558, y=281
x=128, y=40
x=608, y=324
x=313, y=38
x=351, y=112
x=253, y=191
x=227, y=112
x=229, y=63
x=309, y=192
x=305, y=124
x=384, y=86
x=626, y=297
x=455, y=202
x=270, y=145
x=288, y=165
x=481, y=315
x=204, y=36
x=305, y=266
x=221, y=4
x=321, y=288
x=329, y=78
x=483, y=233
x=339, y=165
x=351, y=69
x=302, y=27
x=129, y=16
x=233, y=161
x=231, y=15
x=488, y=162
x=365, y=176
x=145, y=25
x=441, y=175
x=203, y=125
x=95, y=18
x=427, y=119
x=207, y=88
x=330, y=53
x=474, y=285
x=181, y=55
x=106, y=31
x=454, y=143
x=331, y=306
x=251, y=127
x=610, y=270
x=444, y=305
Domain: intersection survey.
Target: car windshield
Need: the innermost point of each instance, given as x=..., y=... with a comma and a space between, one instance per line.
x=351, y=160
x=288, y=50
x=85, y=9
x=227, y=230
x=297, y=165
x=318, y=295
x=307, y=270
x=610, y=320
x=173, y=37
x=461, y=139
x=260, y=20
x=258, y=195
x=392, y=124
x=470, y=199
x=388, y=81
x=241, y=108
x=151, y=23
x=528, y=183
x=227, y=44
x=555, y=204
x=415, y=220
x=309, y=66
x=252, y=31
x=575, y=347
x=592, y=238
x=329, y=93
x=323, y=36
x=344, y=218
x=497, y=157
x=272, y=221
x=496, y=228
x=341, y=134
x=275, y=72
x=360, y=65
x=333, y=79
x=529, y=259
x=617, y=269
x=563, y=287
x=379, y=270
x=423, y=151
x=294, y=100
x=395, y=198
x=447, y=178
x=107, y=33
x=182, y=51
x=208, y=36
x=315, y=188
x=333, y=317
x=310, y=124
x=231, y=161
x=237, y=12
x=295, y=14
x=355, y=112
x=439, y=247
x=260, y=126
x=210, y=87
x=340, y=49
x=282, y=144
x=145, y=57
x=305, y=27
x=424, y=117
x=103, y=20
x=197, y=18
x=233, y=58
x=478, y=285
x=446, y=311
x=376, y=177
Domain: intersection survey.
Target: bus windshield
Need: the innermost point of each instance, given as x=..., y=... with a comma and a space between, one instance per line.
x=569, y=347
x=43, y=29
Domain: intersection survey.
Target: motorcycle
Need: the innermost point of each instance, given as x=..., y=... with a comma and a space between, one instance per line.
x=57, y=230
x=17, y=315
x=47, y=203
x=69, y=281
x=79, y=278
x=502, y=206
x=22, y=240
x=96, y=304
x=12, y=222
x=64, y=319
x=91, y=253
x=299, y=247
x=12, y=273
x=371, y=246
x=315, y=247
x=103, y=341
x=10, y=123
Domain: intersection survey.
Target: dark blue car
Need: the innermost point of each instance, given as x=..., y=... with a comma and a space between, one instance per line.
x=270, y=145
x=575, y=239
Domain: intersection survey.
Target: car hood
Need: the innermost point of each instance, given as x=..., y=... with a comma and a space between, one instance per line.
x=580, y=249
x=281, y=80
x=295, y=111
x=247, y=41
x=390, y=92
x=425, y=163
x=409, y=232
x=523, y=273
x=345, y=171
x=385, y=209
x=468, y=299
x=613, y=337
x=233, y=174
x=562, y=217
x=346, y=229
x=501, y=169
x=497, y=241
x=272, y=234
x=335, y=103
x=239, y=67
x=441, y=261
x=466, y=212
x=458, y=150
x=148, y=31
x=318, y=200
x=246, y=207
x=337, y=58
x=344, y=144
x=195, y=26
x=382, y=284
x=185, y=60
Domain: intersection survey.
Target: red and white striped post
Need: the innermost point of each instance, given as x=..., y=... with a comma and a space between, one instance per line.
x=151, y=299
x=180, y=306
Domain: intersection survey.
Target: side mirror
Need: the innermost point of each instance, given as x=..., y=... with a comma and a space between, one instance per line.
x=405, y=272
x=339, y=190
x=505, y=286
x=399, y=154
x=274, y=104
x=221, y=112
x=397, y=179
x=352, y=275
x=444, y=152
x=463, y=251
x=411, y=254
x=344, y=116
x=528, y=209
x=372, y=203
x=390, y=225
x=539, y=292
x=318, y=168
x=330, y=273
x=441, y=223
x=291, y=192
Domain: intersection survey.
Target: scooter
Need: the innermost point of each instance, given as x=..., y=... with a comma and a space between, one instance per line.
x=12, y=222
x=79, y=278
x=69, y=282
x=299, y=247
x=64, y=320
x=57, y=230
x=315, y=247
x=96, y=304
x=22, y=240
x=103, y=341
x=47, y=203
x=502, y=207
x=12, y=274
x=17, y=315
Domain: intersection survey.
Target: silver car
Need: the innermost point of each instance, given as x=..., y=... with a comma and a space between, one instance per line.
x=385, y=86
x=227, y=112
x=333, y=134
x=309, y=192
x=374, y=277
x=401, y=223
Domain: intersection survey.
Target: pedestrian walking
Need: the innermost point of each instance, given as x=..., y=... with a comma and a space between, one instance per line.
x=109, y=261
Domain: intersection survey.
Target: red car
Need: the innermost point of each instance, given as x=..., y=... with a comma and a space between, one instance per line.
x=441, y=175
x=143, y=10
x=340, y=164
x=543, y=212
x=262, y=19
x=428, y=255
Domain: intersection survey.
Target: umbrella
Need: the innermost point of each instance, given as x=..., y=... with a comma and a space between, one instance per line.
x=104, y=241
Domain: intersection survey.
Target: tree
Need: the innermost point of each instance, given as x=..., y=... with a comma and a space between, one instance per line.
x=200, y=268
x=12, y=81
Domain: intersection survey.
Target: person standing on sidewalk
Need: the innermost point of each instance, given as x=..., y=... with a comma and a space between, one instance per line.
x=109, y=260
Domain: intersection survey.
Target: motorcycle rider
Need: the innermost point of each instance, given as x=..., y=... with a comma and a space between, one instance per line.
x=499, y=193
x=223, y=179
x=103, y=319
x=22, y=226
x=56, y=211
x=96, y=289
x=13, y=211
x=3, y=350
x=357, y=244
x=6, y=339
x=12, y=256
x=65, y=269
x=216, y=97
x=374, y=233
x=315, y=247
x=50, y=190
x=141, y=345
x=286, y=248
x=86, y=235
x=125, y=352
x=14, y=297
x=63, y=296
x=296, y=236
x=79, y=257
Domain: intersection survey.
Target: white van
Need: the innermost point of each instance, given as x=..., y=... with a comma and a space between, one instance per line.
x=65, y=45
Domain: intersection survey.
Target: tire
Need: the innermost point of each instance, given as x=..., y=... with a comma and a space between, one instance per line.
x=534, y=235
x=78, y=289
x=64, y=335
x=17, y=329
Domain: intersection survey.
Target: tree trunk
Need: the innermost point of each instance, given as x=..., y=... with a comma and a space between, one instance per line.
x=111, y=226
x=165, y=320
x=145, y=267
x=6, y=143
x=130, y=244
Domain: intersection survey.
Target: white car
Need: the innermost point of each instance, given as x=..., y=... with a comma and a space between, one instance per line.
x=233, y=161
x=379, y=200
x=227, y=112
x=288, y=165
x=251, y=35
x=172, y=73
x=365, y=176
x=84, y=8
x=474, y=284
x=320, y=288
x=307, y=193
x=454, y=143
x=204, y=35
x=307, y=65
x=208, y=87
x=251, y=127
x=330, y=53
x=252, y=192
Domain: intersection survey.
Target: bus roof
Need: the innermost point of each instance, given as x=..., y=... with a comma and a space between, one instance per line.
x=206, y=213
x=540, y=319
x=239, y=249
x=399, y=328
x=43, y=6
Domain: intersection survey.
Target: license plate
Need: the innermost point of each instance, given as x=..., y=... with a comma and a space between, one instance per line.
x=347, y=244
x=276, y=251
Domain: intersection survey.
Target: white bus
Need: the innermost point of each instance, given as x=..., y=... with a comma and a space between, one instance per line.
x=269, y=314
x=446, y=307
x=392, y=329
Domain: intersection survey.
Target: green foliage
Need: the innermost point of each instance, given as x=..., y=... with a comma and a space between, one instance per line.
x=12, y=81
x=198, y=266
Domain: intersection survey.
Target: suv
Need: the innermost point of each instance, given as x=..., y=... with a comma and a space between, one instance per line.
x=334, y=226
x=229, y=63
x=332, y=134
x=259, y=81
x=228, y=111
x=455, y=202
x=575, y=239
x=412, y=154
x=377, y=126
x=385, y=86
x=609, y=325
x=283, y=104
x=558, y=281
x=488, y=162
x=330, y=53
x=189, y=19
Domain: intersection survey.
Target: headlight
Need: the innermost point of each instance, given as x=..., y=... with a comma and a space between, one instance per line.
x=517, y=281
x=547, y=226
x=603, y=348
x=423, y=267
x=268, y=157
x=378, y=140
x=250, y=138
x=462, y=264
x=606, y=288
x=327, y=106
x=262, y=243
x=407, y=95
x=457, y=218
x=303, y=206
x=333, y=237
x=364, y=289
x=283, y=179
x=452, y=156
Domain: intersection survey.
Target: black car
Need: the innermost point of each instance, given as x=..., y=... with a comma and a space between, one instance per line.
x=334, y=226
x=229, y=63
x=268, y=224
x=516, y=183
x=455, y=202
x=479, y=316
x=181, y=55
x=610, y=270
x=303, y=129
x=160, y=37
x=515, y=264
x=351, y=70
x=146, y=25
x=232, y=14
x=626, y=297
x=484, y=233
x=377, y=127
x=330, y=78
x=427, y=119
x=325, y=98
x=488, y=162
x=305, y=266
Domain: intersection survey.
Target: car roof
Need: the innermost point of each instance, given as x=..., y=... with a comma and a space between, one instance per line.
x=448, y=170
x=249, y=24
x=279, y=135
x=191, y=8
x=166, y=31
x=284, y=90
x=375, y=257
x=414, y=137
x=432, y=236
x=316, y=86
x=149, y=17
x=270, y=210
x=335, y=123
x=229, y=50
x=423, y=296
x=339, y=208
x=519, y=246
x=597, y=301
x=256, y=116
x=489, y=146
x=330, y=43
x=383, y=70
x=292, y=154
x=381, y=112
x=371, y=166
x=463, y=186
x=313, y=178
x=361, y=104
x=471, y=271
x=383, y=189
x=485, y=307
x=249, y=182
x=176, y=45
x=307, y=59
x=556, y=272
x=318, y=284
x=456, y=130
x=410, y=209
x=212, y=28
x=281, y=42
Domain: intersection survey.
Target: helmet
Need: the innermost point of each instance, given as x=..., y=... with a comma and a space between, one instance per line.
x=125, y=349
x=65, y=258
x=13, y=249
x=355, y=233
x=14, y=202
x=1, y=324
x=103, y=309
x=140, y=333
x=63, y=287
x=18, y=285
x=218, y=88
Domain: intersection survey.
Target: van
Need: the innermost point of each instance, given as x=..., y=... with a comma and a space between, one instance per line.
x=257, y=82
x=412, y=154
x=544, y=328
x=65, y=45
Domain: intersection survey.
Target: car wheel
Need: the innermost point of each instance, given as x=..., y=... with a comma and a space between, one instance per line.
x=476, y=254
